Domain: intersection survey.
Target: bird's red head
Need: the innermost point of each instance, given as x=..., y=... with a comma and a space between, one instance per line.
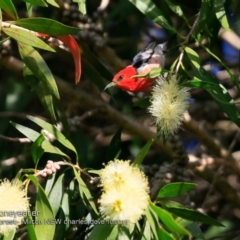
x=125, y=80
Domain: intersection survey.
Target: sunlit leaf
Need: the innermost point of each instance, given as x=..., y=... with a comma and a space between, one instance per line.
x=56, y=194
x=27, y=38
x=40, y=3
x=81, y=5
x=53, y=130
x=221, y=13
x=168, y=220
x=45, y=212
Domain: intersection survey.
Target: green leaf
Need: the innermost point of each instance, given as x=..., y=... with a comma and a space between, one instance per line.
x=10, y=235
x=84, y=191
x=30, y=228
x=28, y=132
x=221, y=13
x=81, y=5
x=217, y=90
x=175, y=189
x=37, y=65
x=27, y=38
x=152, y=220
x=37, y=150
x=8, y=7
x=53, y=3
x=42, y=90
x=205, y=16
x=148, y=8
x=55, y=196
x=54, y=131
x=48, y=147
x=49, y=184
x=189, y=214
x=192, y=227
x=47, y=26
x=193, y=56
x=168, y=220
x=40, y=3
x=164, y=235
x=141, y=155
x=43, y=207
x=114, y=148
x=176, y=9
x=100, y=231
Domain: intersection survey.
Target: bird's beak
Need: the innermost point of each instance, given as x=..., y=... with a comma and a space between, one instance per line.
x=111, y=84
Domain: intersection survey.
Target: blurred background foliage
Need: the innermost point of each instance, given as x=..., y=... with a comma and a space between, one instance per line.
x=112, y=32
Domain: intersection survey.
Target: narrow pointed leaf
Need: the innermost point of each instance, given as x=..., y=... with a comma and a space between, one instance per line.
x=101, y=231
x=175, y=189
x=168, y=220
x=43, y=230
x=47, y=26
x=81, y=5
x=114, y=148
x=38, y=66
x=141, y=155
x=37, y=150
x=84, y=191
x=8, y=7
x=53, y=130
x=27, y=38
x=53, y=3
x=149, y=8
x=40, y=3
x=221, y=13
x=56, y=194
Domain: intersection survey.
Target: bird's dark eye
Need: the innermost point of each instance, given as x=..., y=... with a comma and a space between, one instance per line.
x=120, y=78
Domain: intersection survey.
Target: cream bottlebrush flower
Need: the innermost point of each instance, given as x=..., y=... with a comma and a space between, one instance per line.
x=13, y=205
x=168, y=104
x=125, y=192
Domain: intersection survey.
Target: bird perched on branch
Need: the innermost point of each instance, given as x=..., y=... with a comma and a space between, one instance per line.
x=151, y=57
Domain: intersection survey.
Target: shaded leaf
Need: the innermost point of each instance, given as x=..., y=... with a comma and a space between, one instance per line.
x=74, y=49
x=114, y=148
x=84, y=191
x=37, y=150
x=42, y=90
x=175, y=189
x=8, y=7
x=148, y=8
x=47, y=26
x=189, y=214
x=37, y=65
x=101, y=231
x=141, y=155
x=164, y=235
